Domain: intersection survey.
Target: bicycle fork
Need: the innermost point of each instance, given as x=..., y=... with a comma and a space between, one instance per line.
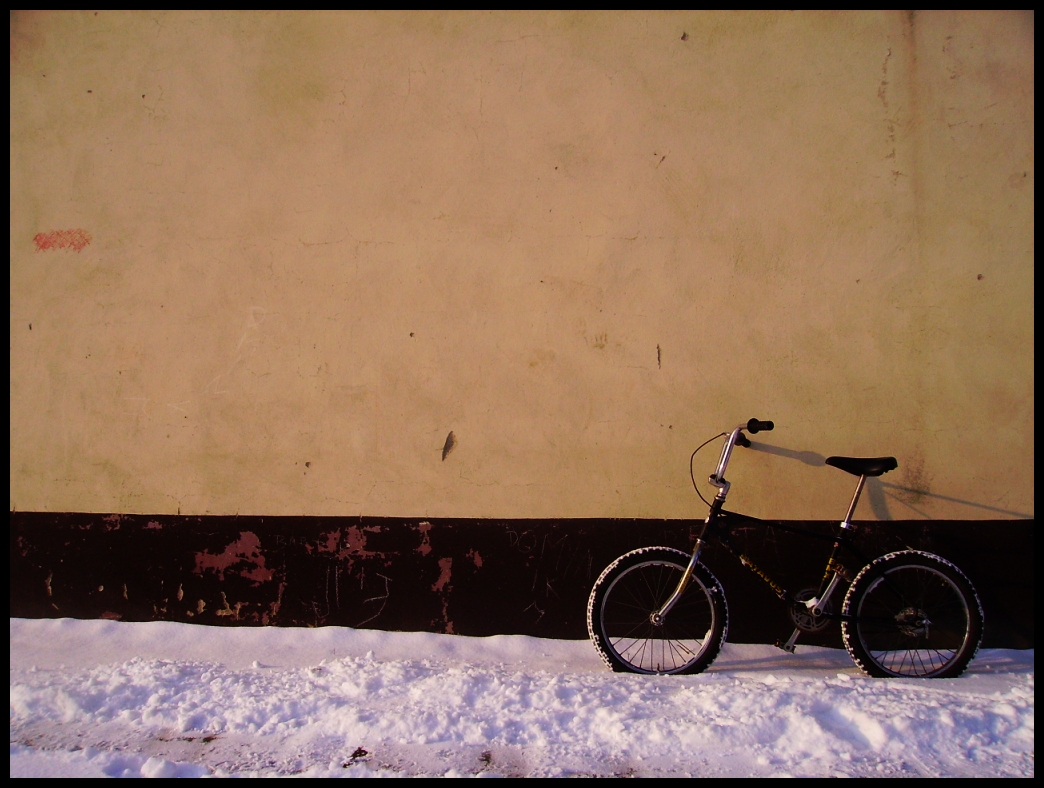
x=658, y=616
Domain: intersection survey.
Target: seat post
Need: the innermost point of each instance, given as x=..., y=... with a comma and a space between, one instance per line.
x=847, y=522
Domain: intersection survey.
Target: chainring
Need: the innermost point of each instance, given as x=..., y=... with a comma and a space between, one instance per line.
x=802, y=616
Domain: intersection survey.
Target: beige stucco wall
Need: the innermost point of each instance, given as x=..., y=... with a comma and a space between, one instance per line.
x=583, y=243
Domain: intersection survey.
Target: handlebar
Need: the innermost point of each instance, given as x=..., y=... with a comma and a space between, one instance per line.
x=753, y=426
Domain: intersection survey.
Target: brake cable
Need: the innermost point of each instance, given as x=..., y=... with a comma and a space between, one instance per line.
x=692, y=457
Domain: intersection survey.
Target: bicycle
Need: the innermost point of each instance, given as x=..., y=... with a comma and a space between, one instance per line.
x=657, y=610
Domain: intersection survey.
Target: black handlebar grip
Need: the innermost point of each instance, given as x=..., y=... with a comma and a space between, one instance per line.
x=754, y=426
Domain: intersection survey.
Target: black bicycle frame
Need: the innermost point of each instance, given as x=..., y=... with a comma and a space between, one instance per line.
x=719, y=527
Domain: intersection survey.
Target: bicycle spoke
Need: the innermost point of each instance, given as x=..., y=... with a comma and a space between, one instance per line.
x=912, y=618
x=627, y=610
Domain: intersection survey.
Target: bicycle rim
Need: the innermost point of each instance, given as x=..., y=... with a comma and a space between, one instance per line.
x=672, y=647
x=913, y=621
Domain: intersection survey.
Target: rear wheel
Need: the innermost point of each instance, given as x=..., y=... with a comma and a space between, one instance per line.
x=912, y=614
x=634, y=587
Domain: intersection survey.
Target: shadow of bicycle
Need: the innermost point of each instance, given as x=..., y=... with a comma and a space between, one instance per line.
x=879, y=492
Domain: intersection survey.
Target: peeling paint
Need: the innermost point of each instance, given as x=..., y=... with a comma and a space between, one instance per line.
x=244, y=550
x=425, y=545
x=227, y=610
x=445, y=572
x=353, y=540
x=476, y=557
x=332, y=538
x=443, y=586
x=356, y=539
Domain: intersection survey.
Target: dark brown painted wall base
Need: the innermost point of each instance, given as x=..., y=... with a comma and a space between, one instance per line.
x=468, y=577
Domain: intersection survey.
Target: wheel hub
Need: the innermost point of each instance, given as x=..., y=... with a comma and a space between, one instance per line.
x=913, y=622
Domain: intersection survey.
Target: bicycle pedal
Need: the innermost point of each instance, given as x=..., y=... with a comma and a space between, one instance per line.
x=787, y=647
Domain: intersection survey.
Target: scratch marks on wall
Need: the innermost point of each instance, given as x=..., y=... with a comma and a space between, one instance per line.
x=248, y=344
x=177, y=406
x=62, y=239
x=382, y=598
x=254, y=320
x=140, y=410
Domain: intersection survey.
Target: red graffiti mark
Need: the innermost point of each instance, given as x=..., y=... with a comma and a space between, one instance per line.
x=445, y=567
x=62, y=239
x=245, y=550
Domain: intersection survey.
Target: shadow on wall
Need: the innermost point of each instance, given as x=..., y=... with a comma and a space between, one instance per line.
x=878, y=491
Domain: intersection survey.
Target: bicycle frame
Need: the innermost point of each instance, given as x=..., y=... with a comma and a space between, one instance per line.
x=718, y=528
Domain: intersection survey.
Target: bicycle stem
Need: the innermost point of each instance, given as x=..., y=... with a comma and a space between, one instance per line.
x=718, y=477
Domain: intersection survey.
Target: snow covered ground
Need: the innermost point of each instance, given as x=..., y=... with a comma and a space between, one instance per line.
x=103, y=698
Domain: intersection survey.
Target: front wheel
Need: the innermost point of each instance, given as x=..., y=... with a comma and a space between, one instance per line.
x=634, y=587
x=911, y=614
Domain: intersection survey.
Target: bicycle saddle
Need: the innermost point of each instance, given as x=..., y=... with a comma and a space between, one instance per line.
x=864, y=466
